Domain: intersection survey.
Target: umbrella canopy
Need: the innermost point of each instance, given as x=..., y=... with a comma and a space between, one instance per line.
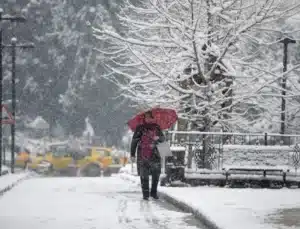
x=163, y=117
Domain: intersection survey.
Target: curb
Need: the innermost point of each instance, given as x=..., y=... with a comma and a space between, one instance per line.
x=5, y=172
x=188, y=209
x=11, y=186
x=182, y=206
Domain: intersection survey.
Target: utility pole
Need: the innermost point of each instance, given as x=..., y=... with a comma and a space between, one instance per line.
x=13, y=46
x=286, y=41
x=10, y=19
x=13, y=102
x=1, y=86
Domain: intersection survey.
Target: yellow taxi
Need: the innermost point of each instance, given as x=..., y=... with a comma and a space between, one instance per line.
x=109, y=158
x=102, y=154
x=34, y=161
x=124, y=160
x=22, y=159
x=89, y=162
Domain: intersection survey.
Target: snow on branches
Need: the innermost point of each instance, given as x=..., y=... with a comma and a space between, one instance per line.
x=187, y=54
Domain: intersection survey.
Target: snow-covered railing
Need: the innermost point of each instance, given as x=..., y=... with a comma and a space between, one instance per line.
x=229, y=133
x=234, y=138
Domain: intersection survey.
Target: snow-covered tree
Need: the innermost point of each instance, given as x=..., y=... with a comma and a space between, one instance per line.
x=59, y=79
x=264, y=59
x=89, y=132
x=190, y=55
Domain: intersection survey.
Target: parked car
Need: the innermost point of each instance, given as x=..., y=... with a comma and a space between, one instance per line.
x=111, y=159
x=34, y=161
x=64, y=160
x=22, y=159
x=104, y=155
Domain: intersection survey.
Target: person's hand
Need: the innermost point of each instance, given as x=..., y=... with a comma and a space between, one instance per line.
x=156, y=138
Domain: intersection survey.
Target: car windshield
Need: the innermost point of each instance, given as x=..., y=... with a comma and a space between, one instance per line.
x=83, y=153
x=60, y=151
x=103, y=152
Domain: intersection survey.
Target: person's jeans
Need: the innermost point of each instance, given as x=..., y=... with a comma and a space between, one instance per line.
x=148, y=168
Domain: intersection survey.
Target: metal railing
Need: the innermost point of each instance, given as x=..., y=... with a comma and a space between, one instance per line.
x=225, y=148
x=234, y=138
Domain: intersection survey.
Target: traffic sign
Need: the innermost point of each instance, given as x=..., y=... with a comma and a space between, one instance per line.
x=7, y=117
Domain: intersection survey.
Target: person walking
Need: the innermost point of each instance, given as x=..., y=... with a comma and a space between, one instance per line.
x=145, y=138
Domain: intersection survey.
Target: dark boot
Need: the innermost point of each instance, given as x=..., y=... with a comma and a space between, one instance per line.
x=154, y=196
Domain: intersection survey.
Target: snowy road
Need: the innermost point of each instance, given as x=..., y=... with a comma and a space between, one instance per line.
x=86, y=203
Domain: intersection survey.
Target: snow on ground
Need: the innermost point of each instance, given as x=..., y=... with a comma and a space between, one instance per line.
x=5, y=168
x=85, y=203
x=129, y=168
x=258, y=147
x=238, y=208
x=33, y=145
x=249, y=155
x=9, y=179
x=242, y=155
x=243, y=208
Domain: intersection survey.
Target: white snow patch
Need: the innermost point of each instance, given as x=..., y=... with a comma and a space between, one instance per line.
x=5, y=169
x=178, y=148
x=92, y=9
x=39, y=123
x=238, y=208
x=129, y=169
x=84, y=203
x=10, y=179
x=89, y=130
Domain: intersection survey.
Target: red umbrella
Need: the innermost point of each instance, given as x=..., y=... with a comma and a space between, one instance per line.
x=164, y=117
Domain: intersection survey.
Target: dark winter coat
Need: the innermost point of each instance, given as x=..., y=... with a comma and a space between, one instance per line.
x=154, y=162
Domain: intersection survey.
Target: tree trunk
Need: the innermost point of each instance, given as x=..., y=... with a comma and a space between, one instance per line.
x=190, y=150
x=204, y=162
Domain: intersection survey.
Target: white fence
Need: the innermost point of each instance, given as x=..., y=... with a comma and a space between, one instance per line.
x=238, y=149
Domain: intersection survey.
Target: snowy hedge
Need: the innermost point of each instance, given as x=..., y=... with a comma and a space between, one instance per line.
x=257, y=155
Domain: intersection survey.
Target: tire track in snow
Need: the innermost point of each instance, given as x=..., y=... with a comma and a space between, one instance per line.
x=150, y=218
x=124, y=215
x=146, y=211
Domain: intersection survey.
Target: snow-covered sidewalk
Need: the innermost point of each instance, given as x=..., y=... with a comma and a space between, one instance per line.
x=85, y=203
x=237, y=208
x=4, y=170
x=9, y=180
x=243, y=208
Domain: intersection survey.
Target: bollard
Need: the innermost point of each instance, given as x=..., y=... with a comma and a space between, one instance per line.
x=266, y=139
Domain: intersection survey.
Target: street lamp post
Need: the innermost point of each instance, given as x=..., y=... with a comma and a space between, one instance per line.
x=13, y=101
x=1, y=86
x=13, y=46
x=10, y=19
x=286, y=41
